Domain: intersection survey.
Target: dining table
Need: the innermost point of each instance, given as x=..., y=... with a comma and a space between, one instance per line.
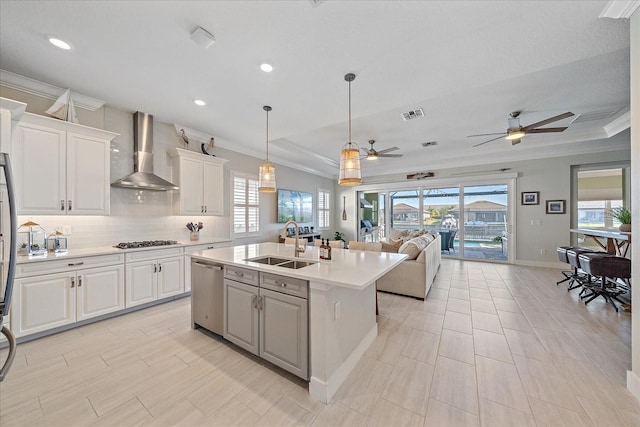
x=613, y=241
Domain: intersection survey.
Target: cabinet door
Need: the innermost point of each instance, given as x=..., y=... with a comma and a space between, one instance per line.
x=213, y=189
x=43, y=302
x=141, y=283
x=88, y=175
x=191, y=202
x=39, y=167
x=170, y=276
x=283, y=331
x=99, y=291
x=241, y=315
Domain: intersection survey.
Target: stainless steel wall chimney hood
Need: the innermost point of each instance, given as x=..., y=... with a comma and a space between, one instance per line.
x=143, y=177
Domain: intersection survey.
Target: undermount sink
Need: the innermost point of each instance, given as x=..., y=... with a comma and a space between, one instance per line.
x=281, y=262
x=268, y=260
x=296, y=264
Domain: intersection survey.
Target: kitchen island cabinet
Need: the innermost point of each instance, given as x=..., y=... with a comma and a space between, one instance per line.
x=341, y=307
x=61, y=168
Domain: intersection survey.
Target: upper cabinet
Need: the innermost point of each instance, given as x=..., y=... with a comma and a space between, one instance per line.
x=61, y=168
x=201, y=179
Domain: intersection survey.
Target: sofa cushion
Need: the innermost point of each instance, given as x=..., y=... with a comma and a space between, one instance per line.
x=365, y=246
x=413, y=247
x=391, y=247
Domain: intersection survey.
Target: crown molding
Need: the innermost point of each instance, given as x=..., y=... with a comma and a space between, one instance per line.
x=17, y=108
x=45, y=90
x=616, y=126
x=619, y=9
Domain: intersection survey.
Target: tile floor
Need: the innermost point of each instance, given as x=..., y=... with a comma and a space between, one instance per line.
x=493, y=345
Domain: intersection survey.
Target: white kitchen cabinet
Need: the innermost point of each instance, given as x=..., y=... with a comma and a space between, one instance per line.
x=201, y=181
x=153, y=274
x=46, y=297
x=61, y=168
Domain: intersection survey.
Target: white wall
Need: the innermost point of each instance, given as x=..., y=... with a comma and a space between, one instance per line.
x=551, y=177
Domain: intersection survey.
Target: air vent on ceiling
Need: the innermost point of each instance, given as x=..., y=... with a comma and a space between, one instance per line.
x=420, y=175
x=316, y=3
x=593, y=116
x=429, y=143
x=413, y=114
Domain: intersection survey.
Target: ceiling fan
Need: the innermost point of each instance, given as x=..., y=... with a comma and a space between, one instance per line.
x=372, y=154
x=516, y=132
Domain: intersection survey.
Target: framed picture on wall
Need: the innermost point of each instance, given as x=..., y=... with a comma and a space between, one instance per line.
x=555, y=206
x=530, y=198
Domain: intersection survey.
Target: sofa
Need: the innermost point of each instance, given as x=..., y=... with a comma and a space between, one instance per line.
x=415, y=275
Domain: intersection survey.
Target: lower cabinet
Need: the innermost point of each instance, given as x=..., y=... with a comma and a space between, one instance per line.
x=51, y=300
x=270, y=324
x=148, y=281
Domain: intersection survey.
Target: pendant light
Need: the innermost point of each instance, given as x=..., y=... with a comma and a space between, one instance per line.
x=267, y=175
x=350, y=154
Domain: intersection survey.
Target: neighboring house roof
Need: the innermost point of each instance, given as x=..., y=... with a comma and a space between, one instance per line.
x=403, y=207
x=482, y=205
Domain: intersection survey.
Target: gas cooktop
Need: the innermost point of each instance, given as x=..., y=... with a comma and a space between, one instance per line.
x=145, y=244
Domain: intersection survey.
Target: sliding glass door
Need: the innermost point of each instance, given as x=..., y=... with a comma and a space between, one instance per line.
x=485, y=227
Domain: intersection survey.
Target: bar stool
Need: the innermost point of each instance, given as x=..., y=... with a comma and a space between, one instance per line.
x=562, y=257
x=579, y=278
x=609, y=268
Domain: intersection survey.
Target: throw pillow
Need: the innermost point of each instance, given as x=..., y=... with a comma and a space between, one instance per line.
x=391, y=247
x=413, y=247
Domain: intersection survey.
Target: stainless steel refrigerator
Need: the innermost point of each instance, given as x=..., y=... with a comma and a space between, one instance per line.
x=8, y=253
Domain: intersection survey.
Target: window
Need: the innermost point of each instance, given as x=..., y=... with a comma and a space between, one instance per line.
x=246, y=208
x=324, y=205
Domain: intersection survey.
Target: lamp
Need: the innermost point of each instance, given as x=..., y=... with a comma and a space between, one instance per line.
x=350, y=154
x=267, y=174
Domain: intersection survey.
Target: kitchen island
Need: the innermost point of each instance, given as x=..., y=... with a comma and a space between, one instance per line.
x=341, y=302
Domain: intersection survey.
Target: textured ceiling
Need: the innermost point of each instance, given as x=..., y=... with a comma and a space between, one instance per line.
x=467, y=64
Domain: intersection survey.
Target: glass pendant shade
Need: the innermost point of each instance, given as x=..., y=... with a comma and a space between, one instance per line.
x=267, y=178
x=350, y=165
x=350, y=154
x=267, y=172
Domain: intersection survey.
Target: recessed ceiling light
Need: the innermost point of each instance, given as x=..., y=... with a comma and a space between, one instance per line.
x=267, y=68
x=200, y=102
x=59, y=43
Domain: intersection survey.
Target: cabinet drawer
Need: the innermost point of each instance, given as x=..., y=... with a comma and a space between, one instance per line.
x=286, y=285
x=239, y=274
x=67, y=264
x=152, y=254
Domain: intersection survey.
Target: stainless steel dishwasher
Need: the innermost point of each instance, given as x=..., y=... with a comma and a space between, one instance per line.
x=207, y=296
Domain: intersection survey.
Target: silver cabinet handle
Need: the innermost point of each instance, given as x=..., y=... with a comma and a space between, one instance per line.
x=260, y=302
x=79, y=281
x=211, y=267
x=155, y=268
x=72, y=264
x=61, y=205
x=210, y=247
x=69, y=204
x=238, y=274
x=159, y=268
x=201, y=209
x=205, y=208
x=254, y=301
x=73, y=282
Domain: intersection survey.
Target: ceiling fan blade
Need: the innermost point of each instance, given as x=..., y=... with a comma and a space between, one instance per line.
x=482, y=143
x=386, y=150
x=549, y=120
x=545, y=130
x=389, y=155
x=366, y=150
x=486, y=134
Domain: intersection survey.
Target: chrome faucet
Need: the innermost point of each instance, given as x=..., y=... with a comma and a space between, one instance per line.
x=297, y=249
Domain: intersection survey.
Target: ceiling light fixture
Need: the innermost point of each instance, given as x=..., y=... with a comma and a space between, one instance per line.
x=200, y=102
x=267, y=173
x=514, y=134
x=350, y=154
x=59, y=43
x=267, y=68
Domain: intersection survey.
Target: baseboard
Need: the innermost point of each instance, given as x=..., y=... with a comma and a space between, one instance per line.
x=545, y=264
x=633, y=384
x=324, y=391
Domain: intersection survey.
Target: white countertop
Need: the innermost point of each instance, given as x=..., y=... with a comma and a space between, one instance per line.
x=348, y=268
x=105, y=250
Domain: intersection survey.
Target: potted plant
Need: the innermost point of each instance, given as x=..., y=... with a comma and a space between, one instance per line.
x=340, y=236
x=623, y=215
